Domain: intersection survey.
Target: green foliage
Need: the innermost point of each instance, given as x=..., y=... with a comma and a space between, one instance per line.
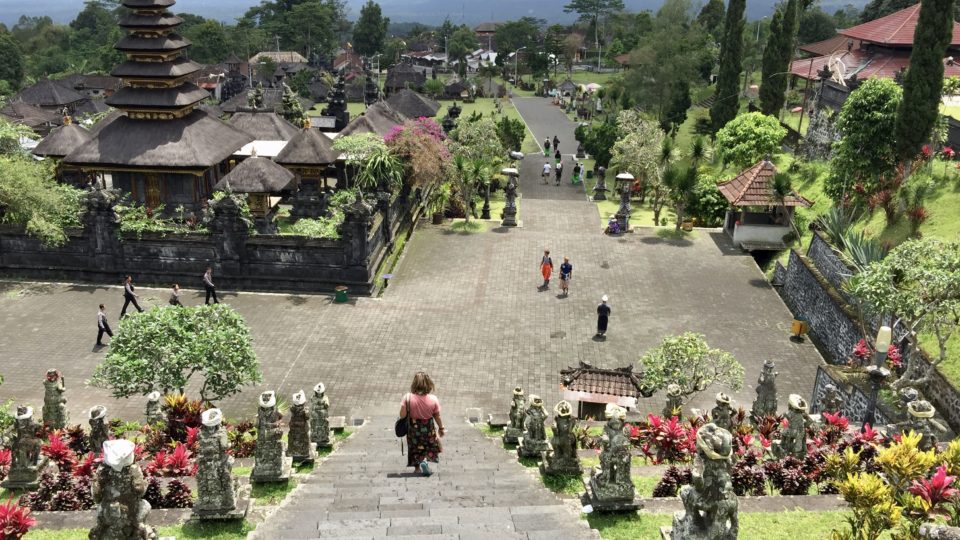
x=676, y=113
x=32, y=198
x=433, y=88
x=707, y=204
x=511, y=132
x=711, y=17
x=835, y=223
x=681, y=187
x=138, y=219
x=310, y=26
x=357, y=149
x=462, y=42
x=292, y=109
x=903, y=462
x=472, y=140
x=777, y=56
x=322, y=227
x=638, y=151
x=11, y=61
x=598, y=141
x=523, y=32
x=923, y=82
x=10, y=136
x=210, y=42
x=727, y=102
x=687, y=361
x=865, y=153
x=370, y=29
x=381, y=170
x=163, y=348
x=815, y=25
x=749, y=138
x=873, y=506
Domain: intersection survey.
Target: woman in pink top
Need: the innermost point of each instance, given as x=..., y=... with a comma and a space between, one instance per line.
x=423, y=441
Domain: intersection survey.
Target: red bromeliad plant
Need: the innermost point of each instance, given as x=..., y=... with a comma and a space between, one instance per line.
x=4, y=462
x=935, y=491
x=172, y=464
x=861, y=353
x=15, y=520
x=665, y=440
x=88, y=465
x=59, y=452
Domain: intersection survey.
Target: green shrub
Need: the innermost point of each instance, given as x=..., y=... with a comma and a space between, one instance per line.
x=318, y=228
x=30, y=196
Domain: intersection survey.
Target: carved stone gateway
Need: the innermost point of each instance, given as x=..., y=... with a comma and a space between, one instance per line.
x=25, y=453
x=709, y=504
x=610, y=488
x=561, y=458
x=514, y=431
x=534, y=440
x=98, y=428
x=270, y=465
x=118, y=487
x=298, y=438
x=320, y=418
x=218, y=496
x=54, y=402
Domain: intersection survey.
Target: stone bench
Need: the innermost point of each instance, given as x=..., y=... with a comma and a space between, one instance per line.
x=338, y=423
x=498, y=421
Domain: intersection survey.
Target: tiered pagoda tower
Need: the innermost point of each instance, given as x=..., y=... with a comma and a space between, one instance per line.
x=163, y=150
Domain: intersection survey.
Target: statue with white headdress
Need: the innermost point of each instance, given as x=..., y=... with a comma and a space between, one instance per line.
x=709, y=503
x=320, y=418
x=153, y=408
x=561, y=457
x=25, y=459
x=921, y=420
x=611, y=488
x=217, y=488
x=118, y=487
x=270, y=465
x=98, y=428
x=298, y=437
x=674, y=405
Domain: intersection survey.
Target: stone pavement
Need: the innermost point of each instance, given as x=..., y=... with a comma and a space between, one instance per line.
x=479, y=490
x=464, y=307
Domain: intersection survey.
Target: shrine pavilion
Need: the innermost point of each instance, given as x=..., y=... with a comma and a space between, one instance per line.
x=163, y=149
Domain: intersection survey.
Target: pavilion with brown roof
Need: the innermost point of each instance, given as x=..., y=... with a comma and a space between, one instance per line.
x=593, y=388
x=759, y=219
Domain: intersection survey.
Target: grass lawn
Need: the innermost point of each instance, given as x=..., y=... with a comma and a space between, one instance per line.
x=753, y=525
x=272, y=494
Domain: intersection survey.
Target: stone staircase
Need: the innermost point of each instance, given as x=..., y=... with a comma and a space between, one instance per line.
x=364, y=490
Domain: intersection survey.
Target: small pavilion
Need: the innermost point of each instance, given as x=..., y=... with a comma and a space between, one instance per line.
x=758, y=219
x=58, y=144
x=593, y=388
x=379, y=118
x=264, y=182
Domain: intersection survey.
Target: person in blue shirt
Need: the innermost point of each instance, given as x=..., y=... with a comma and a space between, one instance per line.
x=566, y=272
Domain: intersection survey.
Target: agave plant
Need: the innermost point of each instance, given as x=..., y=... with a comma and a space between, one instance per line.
x=861, y=251
x=835, y=223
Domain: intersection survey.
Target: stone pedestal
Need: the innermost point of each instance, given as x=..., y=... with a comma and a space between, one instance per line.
x=610, y=498
x=512, y=435
x=600, y=193
x=553, y=465
x=529, y=448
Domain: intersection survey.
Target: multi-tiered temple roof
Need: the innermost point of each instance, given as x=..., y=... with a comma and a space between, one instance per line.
x=162, y=127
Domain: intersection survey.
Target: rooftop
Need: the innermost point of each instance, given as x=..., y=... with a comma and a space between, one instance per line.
x=585, y=378
x=264, y=125
x=379, y=118
x=754, y=187
x=279, y=56
x=62, y=140
x=256, y=175
x=47, y=93
x=413, y=105
x=894, y=30
x=309, y=147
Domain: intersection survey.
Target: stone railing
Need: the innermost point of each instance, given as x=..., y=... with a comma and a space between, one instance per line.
x=99, y=253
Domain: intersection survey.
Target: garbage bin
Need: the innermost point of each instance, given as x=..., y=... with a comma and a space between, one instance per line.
x=799, y=327
x=341, y=294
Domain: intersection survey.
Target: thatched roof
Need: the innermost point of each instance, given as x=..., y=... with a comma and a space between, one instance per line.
x=403, y=76
x=309, y=147
x=62, y=140
x=754, y=187
x=413, y=105
x=272, y=101
x=379, y=118
x=213, y=110
x=29, y=115
x=264, y=125
x=256, y=175
x=105, y=121
x=47, y=93
x=196, y=141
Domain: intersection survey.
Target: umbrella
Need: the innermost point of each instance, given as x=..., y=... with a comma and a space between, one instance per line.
x=593, y=87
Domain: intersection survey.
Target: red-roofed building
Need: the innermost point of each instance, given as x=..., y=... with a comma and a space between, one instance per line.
x=759, y=219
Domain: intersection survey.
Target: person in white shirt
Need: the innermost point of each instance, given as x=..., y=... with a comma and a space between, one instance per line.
x=546, y=173
x=103, y=326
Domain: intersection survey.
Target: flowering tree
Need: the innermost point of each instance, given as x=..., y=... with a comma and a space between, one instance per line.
x=918, y=282
x=687, y=361
x=420, y=146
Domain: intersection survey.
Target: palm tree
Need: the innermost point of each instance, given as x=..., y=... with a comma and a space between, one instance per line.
x=699, y=151
x=489, y=71
x=681, y=185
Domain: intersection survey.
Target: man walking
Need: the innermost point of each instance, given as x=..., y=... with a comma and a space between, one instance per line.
x=129, y=297
x=209, y=286
x=546, y=148
x=603, y=316
x=545, y=175
x=103, y=327
x=559, y=172
x=566, y=272
x=556, y=143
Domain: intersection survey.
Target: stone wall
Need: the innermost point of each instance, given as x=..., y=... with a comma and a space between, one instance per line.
x=99, y=253
x=855, y=400
x=830, y=265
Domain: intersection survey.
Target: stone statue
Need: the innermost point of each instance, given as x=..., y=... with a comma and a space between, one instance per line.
x=623, y=213
x=534, y=440
x=514, y=430
x=561, y=457
x=25, y=453
x=921, y=421
x=54, y=402
x=709, y=503
x=832, y=401
x=217, y=492
x=722, y=414
x=153, y=408
x=118, y=487
x=600, y=189
x=674, y=405
x=270, y=465
x=610, y=488
x=98, y=428
x=320, y=418
x=766, y=402
x=509, y=215
x=793, y=438
x=298, y=438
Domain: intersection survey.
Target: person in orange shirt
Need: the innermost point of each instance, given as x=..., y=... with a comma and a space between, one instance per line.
x=546, y=268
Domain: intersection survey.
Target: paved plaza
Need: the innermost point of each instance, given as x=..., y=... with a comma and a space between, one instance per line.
x=464, y=307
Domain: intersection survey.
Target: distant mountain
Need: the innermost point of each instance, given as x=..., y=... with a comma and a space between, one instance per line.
x=424, y=11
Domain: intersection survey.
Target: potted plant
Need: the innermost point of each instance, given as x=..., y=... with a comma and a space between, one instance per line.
x=438, y=201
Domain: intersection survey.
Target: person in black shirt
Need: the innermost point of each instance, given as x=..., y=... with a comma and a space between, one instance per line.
x=103, y=327
x=603, y=316
x=129, y=297
x=556, y=143
x=566, y=272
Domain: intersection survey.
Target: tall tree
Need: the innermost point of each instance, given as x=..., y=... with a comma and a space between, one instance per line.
x=11, y=63
x=209, y=42
x=711, y=17
x=512, y=35
x=776, y=58
x=726, y=102
x=924, y=80
x=815, y=25
x=461, y=43
x=370, y=29
x=592, y=10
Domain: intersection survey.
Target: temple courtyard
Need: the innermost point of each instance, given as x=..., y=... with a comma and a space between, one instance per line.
x=464, y=307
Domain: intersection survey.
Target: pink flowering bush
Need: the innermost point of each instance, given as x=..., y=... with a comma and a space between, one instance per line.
x=419, y=144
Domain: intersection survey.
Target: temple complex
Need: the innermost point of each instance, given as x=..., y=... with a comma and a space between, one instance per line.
x=163, y=150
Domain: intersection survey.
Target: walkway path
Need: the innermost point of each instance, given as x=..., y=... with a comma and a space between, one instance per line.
x=479, y=490
x=464, y=307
